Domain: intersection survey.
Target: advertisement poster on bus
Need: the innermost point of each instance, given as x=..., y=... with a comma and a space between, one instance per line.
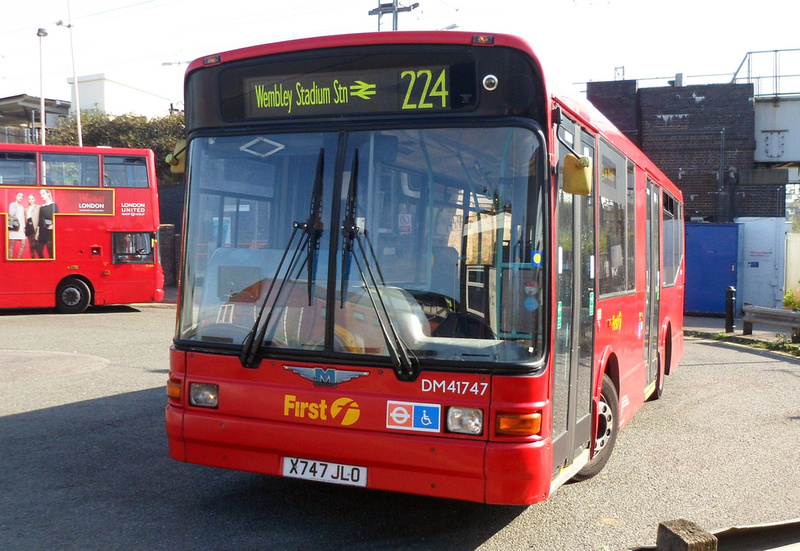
x=31, y=215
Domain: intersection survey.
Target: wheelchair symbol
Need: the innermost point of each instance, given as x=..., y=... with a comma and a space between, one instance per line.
x=426, y=420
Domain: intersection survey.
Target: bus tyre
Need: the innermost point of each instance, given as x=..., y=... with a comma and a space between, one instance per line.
x=607, y=427
x=72, y=296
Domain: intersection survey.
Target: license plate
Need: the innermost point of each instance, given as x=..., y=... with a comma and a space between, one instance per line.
x=322, y=471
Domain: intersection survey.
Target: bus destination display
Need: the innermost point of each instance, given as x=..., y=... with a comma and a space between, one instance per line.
x=387, y=91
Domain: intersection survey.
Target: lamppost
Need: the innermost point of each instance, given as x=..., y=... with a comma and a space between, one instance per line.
x=392, y=8
x=74, y=78
x=41, y=33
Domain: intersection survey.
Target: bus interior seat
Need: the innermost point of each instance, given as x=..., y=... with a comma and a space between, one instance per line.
x=462, y=325
x=236, y=274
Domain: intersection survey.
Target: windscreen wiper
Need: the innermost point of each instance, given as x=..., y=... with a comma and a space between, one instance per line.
x=349, y=228
x=313, y=226
x=406, y=364
x=311, y=230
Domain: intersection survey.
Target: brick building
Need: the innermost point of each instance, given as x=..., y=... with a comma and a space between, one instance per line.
x=703, y=138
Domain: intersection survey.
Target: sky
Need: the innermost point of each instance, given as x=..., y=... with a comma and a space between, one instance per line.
x=147, y=43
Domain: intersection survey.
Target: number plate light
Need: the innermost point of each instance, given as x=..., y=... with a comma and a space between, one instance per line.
x=465, y=420
x=204, y=395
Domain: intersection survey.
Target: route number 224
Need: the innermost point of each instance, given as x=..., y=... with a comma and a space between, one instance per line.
x=424, y=89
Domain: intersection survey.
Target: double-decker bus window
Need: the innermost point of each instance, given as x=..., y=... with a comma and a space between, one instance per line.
x=17, y=169
x=134, y=248
x=124, y=171
x=70, y=170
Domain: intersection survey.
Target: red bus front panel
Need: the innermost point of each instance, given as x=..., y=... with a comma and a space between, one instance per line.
x=272, y=413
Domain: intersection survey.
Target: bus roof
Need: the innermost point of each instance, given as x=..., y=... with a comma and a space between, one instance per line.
x=106, y=150
x=598, y=123
x=366, y=39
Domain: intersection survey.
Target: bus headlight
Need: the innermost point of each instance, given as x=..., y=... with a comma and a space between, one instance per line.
x=204, y=395
x=465, y=420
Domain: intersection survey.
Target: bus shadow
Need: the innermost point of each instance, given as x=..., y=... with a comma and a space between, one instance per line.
x=116, y=308
x=97, y=474
x=336, y=517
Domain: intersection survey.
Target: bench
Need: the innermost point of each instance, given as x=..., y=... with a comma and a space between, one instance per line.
x=771, y=316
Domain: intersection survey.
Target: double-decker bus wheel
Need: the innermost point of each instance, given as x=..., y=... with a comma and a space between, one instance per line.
x=607, y=428
x=72, y=296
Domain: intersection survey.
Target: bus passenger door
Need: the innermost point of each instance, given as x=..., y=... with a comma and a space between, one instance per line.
x=653, y=282
x=574, y=323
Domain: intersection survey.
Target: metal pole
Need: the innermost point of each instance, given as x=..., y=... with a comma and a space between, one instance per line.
x=74, y=77
x=41, y=33
x=730, y=307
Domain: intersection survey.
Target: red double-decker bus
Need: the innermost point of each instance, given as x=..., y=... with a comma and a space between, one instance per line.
x=81, y=227
x=409, y=266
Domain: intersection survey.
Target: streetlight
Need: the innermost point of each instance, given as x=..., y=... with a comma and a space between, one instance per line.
x=74, y=77
x=41, y=33
x=392, y=8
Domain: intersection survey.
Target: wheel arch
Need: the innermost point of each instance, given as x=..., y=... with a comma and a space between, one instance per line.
x=608, y=364
x=665, y=345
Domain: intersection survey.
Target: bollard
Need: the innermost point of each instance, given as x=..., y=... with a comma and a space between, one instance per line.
x=730, y=307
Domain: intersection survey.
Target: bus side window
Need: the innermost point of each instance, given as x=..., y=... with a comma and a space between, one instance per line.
x=59, y=169
x=130, y=172
x=133, y=248
x=18, y=169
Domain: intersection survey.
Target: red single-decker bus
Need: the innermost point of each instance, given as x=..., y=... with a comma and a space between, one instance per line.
x=408, y=265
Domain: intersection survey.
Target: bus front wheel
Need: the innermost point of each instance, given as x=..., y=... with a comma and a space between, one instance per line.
x=72, y=296
x=607, y=427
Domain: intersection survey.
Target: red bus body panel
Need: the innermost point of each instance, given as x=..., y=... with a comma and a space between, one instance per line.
x=269, y=413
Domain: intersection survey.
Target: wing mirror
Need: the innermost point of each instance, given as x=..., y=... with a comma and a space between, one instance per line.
x=577, y=174
x=177, y=159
